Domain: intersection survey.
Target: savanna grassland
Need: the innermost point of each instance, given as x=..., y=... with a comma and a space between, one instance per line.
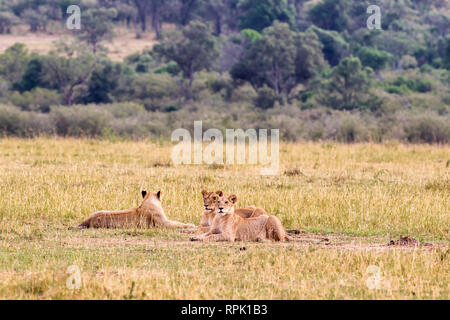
x=357, y=196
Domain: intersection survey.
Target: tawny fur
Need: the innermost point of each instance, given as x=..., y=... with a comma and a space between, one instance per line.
x=149, y=214
x=209, y=202
x=228, y=226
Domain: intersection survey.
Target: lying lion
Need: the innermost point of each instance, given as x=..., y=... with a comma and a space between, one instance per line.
x=228, y=226
x=209, y=203
x=149, y=214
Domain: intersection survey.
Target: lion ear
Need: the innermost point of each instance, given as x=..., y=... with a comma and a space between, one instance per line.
x=144, y=193
x=233, y=198
x=159, y=195
x=204, y=192
x=219, y=193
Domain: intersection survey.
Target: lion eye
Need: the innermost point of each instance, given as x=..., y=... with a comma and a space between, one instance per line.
x=226, y=202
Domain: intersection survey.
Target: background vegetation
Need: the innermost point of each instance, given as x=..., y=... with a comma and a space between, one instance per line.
x=310, y=68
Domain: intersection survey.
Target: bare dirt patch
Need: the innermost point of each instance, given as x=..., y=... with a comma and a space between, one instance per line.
x=123, y=44
x=302, y=239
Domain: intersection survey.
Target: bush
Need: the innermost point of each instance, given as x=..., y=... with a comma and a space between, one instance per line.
x=222, y=85
x=335, y=48
x=423, y=86
x=15, y=122
x=36, y=20
x=38, y=99
x=376, y=59
x=153, y=91
x=79, y=120
x=266, y=98
x=3, y=87
x=171, y=68
x=397, y=89
x=408, y=62
x=403, y=85
x=428, y=130
x=7, y=21
x=350, y=131
x=125, y=109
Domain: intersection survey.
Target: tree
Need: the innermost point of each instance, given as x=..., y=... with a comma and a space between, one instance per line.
x=269, y=59
x=13, y=62
x=334, y=46
x=280, y=60
x=142, y=9
x=215, y=10
x=330, y=15
x=194, y=49
x=68, y=70
x=156, y=7
x=36, y=19
x=97, y=26
x=310, y=60
x=103, y=81
x=7, y=21
x=31, y=77
x=371, y=57
x=348, y=86
x=447, y=54
x=187, y=7
x=260, y=14
x=278, y=51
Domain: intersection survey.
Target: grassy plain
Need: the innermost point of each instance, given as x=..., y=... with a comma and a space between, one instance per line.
x=359, y=196
x=124, y=43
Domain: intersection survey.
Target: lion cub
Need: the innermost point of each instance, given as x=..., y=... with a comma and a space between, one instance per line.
x=149, y=214
x=209, y=203
x=228, y=226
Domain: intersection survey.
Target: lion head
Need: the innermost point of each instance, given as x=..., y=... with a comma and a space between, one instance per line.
x=224, y=205
x=210, y=199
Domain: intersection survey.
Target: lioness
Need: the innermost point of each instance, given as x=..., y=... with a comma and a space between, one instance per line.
x=209, y=203
x=149, y=214
x=228, y=226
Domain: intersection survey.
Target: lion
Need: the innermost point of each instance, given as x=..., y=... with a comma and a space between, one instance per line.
x=149, y=214
x=229, y=226
x=209, y=203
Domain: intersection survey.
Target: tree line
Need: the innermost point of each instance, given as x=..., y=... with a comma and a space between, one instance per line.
x=262, y=53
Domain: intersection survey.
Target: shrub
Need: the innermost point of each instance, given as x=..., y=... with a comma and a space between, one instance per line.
x=376, y=59
x=408, y=62
x=348, y=131
x=171, y=68
x=38, y=99
x=125, y=109
x=15, y=122
x=222, y=85
x=80, y=120
x=423, y=86
x=153, y=91
x=35, y=19
x=266, y=98
x=428, y=130
x=7, y=21
x=403, y=85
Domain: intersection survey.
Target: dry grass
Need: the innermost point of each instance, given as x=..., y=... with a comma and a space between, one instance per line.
x=359, y=195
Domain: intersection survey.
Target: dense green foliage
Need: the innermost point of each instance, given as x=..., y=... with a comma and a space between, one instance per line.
x=311, y=68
